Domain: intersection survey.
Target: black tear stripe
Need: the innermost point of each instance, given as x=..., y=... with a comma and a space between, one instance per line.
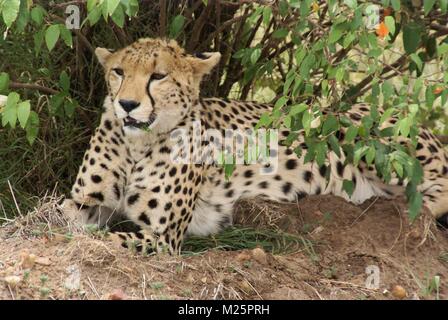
x=150, y=96
x=110, y=89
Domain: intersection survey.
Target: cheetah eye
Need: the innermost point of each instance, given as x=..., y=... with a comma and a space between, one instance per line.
x=157, y=76
x=118, y=71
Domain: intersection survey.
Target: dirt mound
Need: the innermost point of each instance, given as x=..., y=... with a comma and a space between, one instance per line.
x=340, y=251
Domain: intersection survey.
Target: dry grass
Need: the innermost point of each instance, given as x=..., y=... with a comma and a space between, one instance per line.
x=322, y=254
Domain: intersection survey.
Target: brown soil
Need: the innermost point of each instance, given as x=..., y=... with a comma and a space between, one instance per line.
x=339, y=241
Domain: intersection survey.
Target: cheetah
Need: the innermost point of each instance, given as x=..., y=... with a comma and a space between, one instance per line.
x=128, y=170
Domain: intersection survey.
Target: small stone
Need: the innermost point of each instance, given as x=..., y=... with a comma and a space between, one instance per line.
x=317, y=230
x=13, y=281
x=415, y=234
x=190, y=278
x=243, y=256
x=43, y=261
x=399, y=292
x=259, y=255
x=204, y=280
x=117, y=294
x=73, y=281
x=27, y=260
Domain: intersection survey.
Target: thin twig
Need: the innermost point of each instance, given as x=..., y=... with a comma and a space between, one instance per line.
x=32, y=86
x=364, y=212
x=14, y=197
x=93, y=287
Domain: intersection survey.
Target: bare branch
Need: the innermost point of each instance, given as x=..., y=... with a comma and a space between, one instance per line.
x=32, y=86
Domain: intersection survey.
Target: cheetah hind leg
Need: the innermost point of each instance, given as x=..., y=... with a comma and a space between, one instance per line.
x=435, y=199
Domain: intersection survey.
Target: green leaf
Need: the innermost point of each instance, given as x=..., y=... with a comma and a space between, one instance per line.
x=280, y=33
x=23, y=112
x=336, y=33
x=442, y=49
x=37, y=15
x=306, y=65
x=56, y=102
x=287, y=121
x=118, y=17
x=330, y=125
x=112, y=5
x=280, y=102
x=9, y=113
x=10, y=11
x=334, y=145
x=429, y=96
x=66, y=35
x=405, y=126
x=387, y=89
x=32, y=127
x=306, y=122
x=267, y=13
x=359, y=153
x=411, y=37
x=94, y=15
x=348, y=40
x=52, y=36
x=176, y=26
x=351, y=3
x=340, y=74
x=415, y=205
x=131, y=7
x=69, y=108
x=64, y=81
x=4, y=81
x=443, y=5
x=283, y=7
x=370, y=156
x=23, y=17
x=418, y=62
x=256, y=53
x=427, y=5
x=387, y=114
x=91, y=4
x=398, y=168
x=348, y=187
x=321, y=152
x=396, y=4
x=298, y=108
x=351, y=134
x=390, y=24
x=265, y=120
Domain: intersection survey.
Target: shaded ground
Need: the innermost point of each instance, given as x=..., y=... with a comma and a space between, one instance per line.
x=329, y=245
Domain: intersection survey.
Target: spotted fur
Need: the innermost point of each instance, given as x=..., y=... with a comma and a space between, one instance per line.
x=127, y=171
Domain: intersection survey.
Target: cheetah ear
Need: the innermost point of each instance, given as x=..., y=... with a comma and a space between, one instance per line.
x=102, y=54
x=204, y=62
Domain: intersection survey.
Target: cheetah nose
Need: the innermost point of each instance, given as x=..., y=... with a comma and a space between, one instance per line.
x=128, y=105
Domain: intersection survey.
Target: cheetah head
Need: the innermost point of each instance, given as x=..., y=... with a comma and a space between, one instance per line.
x=153, y=83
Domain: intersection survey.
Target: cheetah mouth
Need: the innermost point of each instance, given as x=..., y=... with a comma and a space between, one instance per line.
x=134, y=123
